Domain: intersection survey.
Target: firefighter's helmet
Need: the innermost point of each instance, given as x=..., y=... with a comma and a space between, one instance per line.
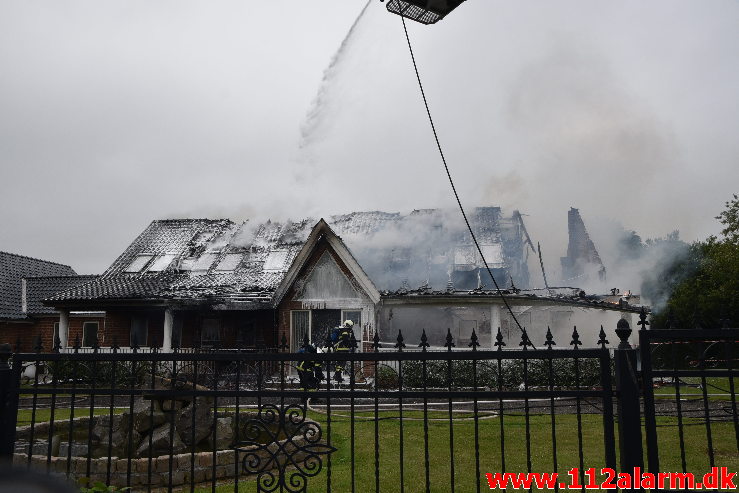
x=348, y=323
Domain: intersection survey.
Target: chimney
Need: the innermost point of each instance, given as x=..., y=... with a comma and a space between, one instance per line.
x=24, y=295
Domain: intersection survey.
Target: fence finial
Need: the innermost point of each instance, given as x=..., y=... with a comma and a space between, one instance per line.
x=424, y=341
x=449, y=340
x=643, y=322
x=327, y=342
x=602, y=338
x=575, y=338
x=283, y=342
x=499, y=340
x=550, y=339
x=38, y=345
x=400, y=344
x=376, y=342
x=623, y=331
x=473, y=341
x=5, y=353
x=525, y=341
x=352, y=342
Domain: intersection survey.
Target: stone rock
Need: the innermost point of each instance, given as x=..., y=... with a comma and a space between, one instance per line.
x=174, y=405
x=223, y=433
x=203, y=422
x=143, y=418
x=160, y=443
x=112, y=434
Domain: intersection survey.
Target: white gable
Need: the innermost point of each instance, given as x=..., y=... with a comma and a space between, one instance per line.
x=327, y=282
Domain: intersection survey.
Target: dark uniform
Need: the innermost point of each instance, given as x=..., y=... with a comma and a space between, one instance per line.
x=341, y=340
x=310, y=372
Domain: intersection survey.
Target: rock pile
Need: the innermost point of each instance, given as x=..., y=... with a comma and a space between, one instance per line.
x=163, y=426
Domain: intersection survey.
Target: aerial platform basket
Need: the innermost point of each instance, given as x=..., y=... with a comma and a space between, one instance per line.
x=423, y=11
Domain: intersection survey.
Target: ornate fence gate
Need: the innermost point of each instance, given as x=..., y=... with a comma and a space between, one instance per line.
x=412, y=419
x=697, y=368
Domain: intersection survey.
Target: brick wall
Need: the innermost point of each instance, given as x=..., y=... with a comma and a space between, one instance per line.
x=26, y=333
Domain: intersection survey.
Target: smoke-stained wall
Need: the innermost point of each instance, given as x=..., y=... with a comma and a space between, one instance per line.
x=461, y=318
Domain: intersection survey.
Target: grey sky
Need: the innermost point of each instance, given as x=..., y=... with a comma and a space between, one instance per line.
x=119, y=112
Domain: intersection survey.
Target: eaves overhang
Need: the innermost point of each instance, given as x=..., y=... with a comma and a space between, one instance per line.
x=513, y=300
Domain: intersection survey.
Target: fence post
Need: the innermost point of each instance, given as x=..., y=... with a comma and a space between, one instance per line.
x=629, y=408
x=8, y=405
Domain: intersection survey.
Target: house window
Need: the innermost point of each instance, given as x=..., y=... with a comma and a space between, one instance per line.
x=299, y=328
x=138, y=263
x=162, y=262
x=89, y=333
x=139, y=331
x=276, y=261
x=229, y=262
x=211, y=332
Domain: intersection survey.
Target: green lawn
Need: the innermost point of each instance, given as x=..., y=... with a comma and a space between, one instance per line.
x=42, y=414
x=717, y=388
x=490, y=456
x=464, y=447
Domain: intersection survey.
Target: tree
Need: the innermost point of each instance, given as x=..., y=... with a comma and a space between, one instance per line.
x=730, y=219
x=708, y=295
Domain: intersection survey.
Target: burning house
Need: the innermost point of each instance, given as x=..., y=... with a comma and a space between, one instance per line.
x=203, y=282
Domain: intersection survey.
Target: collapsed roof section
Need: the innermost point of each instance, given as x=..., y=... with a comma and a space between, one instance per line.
x=432, y=248
x=582, y=261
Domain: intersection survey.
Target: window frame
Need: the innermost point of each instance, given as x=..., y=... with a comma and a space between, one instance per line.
x=295, y=345
x=84, y=332
x=54, y=333
x=127, y=269
x=210, y=342
x=145, y=341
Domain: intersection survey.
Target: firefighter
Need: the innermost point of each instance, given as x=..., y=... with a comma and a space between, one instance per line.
x=341, y=339
x=310, y=372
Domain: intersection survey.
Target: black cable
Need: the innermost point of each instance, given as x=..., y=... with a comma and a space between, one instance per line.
x=451, y=182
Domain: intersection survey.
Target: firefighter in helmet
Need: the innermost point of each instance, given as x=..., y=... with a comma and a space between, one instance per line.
x=310, y=372
x=341, y=340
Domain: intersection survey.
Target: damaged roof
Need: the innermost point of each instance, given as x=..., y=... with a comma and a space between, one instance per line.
x=558, y=296
x=192, y=259
x=221, y=261
x=13, y=268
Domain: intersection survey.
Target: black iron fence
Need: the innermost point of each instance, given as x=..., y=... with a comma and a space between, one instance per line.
x=408, y=420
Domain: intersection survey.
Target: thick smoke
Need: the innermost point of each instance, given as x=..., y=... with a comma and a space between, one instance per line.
x=633, y=263
x=408, y=251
